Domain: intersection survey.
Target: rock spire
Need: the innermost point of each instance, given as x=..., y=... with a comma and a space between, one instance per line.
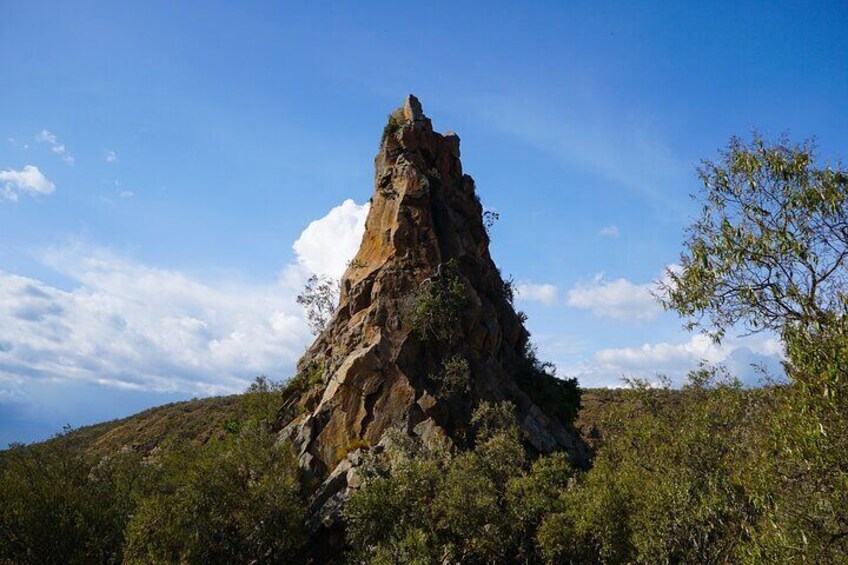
x=381, y=362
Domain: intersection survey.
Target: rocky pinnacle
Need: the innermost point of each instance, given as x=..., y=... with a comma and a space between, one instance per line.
x=370, y=370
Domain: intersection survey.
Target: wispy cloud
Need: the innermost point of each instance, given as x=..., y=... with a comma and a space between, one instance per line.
x=59, y=149
x=609, y=231
x=15, y=143
x=29, y=180
x=581, y=133
x=110, y=156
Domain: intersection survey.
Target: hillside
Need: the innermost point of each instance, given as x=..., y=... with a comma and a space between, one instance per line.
x=199, y=419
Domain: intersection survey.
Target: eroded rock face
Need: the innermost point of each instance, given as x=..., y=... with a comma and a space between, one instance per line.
x=377, y=370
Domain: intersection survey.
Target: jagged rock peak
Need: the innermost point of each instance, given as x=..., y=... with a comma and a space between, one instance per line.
x=377, y=366
x=412, y=110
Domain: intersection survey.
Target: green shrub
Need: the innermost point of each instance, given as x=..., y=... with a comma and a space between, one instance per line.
x=395, y=120
x=234, y=500
x=478, y=506
x=455, y=377
x=438, y=305
x=59, y=504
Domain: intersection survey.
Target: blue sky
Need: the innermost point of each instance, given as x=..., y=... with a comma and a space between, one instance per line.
x=159, y=160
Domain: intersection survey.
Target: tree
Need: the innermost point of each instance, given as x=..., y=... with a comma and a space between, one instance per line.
x=771, y=244
x=319, y=298
x=769, y=252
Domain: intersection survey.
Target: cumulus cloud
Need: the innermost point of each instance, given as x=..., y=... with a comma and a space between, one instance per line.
x=619, y=299
x=609, y=231
x=674, y=360
x=544, y=293
x=326, y=245
x=131, y=326
x=29, y=181
x=59, y=149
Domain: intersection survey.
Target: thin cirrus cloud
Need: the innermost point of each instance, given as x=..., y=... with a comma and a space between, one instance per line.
x=45, y=136
x=619, y=299
x=29, y=181
x=132, y=326
x=544, y=293
x=607, y=142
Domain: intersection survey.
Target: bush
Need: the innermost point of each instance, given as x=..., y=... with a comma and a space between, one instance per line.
x=438, y=304
x=669, y=482
x=232, y=500
x=61, y=505
x=478, y=506
x=395, y=120
x=455, y=377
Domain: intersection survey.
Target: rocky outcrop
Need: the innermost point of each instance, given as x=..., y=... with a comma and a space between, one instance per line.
x=375, y=368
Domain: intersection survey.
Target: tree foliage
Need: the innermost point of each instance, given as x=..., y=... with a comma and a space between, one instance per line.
x=769, y=252
x=233, y=500
x=318, y=299
x=60, y=505
x=422, y=503
x=770, y=247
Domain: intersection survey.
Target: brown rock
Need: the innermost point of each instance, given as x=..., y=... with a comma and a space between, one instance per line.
x=378, y=370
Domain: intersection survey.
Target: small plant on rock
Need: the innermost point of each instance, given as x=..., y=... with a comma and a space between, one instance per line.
x=438, y=305
x=455, y=377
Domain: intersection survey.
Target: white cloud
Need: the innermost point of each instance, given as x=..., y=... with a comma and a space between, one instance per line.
x=137, y=327
x=110, y=156
x=607, y=366
x=619, y=299
x=130, y=325
x=29, y=181
x=544, y=293
x=58, y=148
x=46, y=136
x=326, y=245
x=609, y=231
x=126, y=194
